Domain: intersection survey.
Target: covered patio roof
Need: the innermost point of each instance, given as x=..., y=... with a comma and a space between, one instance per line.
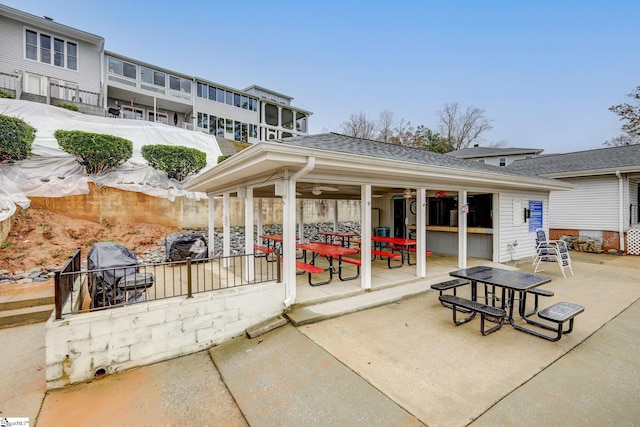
x=346, y=163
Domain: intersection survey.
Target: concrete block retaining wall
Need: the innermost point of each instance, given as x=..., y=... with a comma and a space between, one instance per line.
x=82, y=346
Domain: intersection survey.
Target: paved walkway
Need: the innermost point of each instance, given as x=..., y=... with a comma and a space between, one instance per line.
x=403, y=363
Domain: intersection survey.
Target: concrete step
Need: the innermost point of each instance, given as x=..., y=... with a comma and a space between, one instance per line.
x=327, y=310
x=24, y=303
x=25, y=315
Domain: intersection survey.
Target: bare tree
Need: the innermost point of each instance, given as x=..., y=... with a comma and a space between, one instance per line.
x=385, y=126
x=359, y=126
x=631, y=115
x=461, y=129
x=622, y=140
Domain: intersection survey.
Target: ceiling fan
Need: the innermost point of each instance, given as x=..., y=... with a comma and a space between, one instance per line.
x=318, y=189
x=408, y=193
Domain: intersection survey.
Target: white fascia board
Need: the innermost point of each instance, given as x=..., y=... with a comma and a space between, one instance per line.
x=593, y=172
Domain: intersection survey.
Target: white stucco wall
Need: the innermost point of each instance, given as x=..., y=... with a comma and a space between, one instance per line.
x=140, y=334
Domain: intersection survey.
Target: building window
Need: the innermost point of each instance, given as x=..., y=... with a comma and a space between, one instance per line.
x=301, y=122
x=237, y=131
x=31, y=41
x=245, y=102
x=203, y=121
x=123, y=68
x=72, y=56
x=271, y=114
x=229, y=126
x=202, y=90
x=50, y=50
x=287, y=118
x=236, y=100
x=212, y=93
x=503, y=161
x=253, y=131
x=58, y=52
x=220, y=131
x=45, y=49
x=252, y=104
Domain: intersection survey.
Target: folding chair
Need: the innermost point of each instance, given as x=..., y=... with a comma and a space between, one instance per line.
x=551, y=251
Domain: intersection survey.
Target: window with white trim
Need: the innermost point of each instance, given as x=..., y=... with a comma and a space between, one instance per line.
x=50, y=50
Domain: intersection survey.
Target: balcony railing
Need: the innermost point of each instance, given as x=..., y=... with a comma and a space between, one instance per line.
x=74, y=94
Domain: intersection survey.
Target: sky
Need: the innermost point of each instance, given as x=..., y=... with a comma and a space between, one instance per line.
x=544, y=72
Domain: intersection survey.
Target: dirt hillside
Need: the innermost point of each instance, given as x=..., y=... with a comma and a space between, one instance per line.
x=41, y=238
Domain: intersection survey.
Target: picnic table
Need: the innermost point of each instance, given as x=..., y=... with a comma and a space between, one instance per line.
x=331, y=253
x=512, y=282
x=395, y=243
x=332, y=236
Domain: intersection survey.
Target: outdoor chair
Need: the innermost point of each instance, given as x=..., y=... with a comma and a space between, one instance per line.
x=551, y=251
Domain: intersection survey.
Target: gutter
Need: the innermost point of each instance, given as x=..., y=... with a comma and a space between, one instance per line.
x=620, y=209
x=311, y=163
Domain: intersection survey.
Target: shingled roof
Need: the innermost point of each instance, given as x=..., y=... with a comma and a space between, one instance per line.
x=364, y=147
x=592, y=162
x=475, y=152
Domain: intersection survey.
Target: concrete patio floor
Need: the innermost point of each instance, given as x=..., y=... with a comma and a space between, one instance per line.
x=409, y=351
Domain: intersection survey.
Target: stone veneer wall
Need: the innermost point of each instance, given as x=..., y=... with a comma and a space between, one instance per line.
x=81, y=347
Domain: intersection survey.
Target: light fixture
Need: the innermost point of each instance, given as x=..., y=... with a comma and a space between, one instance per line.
x=407, y=193
x=316, y=190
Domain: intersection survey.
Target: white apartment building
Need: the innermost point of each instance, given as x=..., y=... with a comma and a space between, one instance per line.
x=44, y=61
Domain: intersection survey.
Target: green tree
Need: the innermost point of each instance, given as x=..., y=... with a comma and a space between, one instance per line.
x=177, y=161
x=16, y=138
x=96, y=152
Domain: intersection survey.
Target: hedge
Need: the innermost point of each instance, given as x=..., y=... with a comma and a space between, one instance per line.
x=16, y=137
x=177, y=161
x=96, y=152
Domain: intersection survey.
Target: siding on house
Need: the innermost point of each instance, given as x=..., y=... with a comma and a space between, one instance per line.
x=591, y=205
x=12, y=34
x=634, y=202
x=512, y=228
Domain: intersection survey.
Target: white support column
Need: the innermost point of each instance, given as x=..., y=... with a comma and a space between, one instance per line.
x=365, y=237
x=248, y=234
x=211, y=233
x=335, y=216
x=421, y=232
x=462, y=229
x=226, y=234
x=289, y=242
x=259, y=222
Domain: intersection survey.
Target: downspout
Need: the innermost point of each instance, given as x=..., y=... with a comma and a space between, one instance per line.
x=620, y=210
x=290, y=279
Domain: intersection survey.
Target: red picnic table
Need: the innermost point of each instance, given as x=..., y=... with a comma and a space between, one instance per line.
x=330, y=252
x=331, y=236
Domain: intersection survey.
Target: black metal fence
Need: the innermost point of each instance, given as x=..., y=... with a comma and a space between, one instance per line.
x=104, y=288
x=65, y=279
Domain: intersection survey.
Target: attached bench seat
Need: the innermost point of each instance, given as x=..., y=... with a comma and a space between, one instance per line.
x=536, y=292
x=353, y=261
x=449, y=284
x=487, y=312
x=559, y=313
x=264, y=251
x=389, y=256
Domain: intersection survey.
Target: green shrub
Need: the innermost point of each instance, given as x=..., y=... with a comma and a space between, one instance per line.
x=16, y=137
x=96, y=152
x=68, y=107
x=5, y=94
x=177, y=161
x=224, y=157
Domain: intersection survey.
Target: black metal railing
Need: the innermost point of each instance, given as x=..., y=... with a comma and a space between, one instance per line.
x=65, y=279
x=124, y=285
